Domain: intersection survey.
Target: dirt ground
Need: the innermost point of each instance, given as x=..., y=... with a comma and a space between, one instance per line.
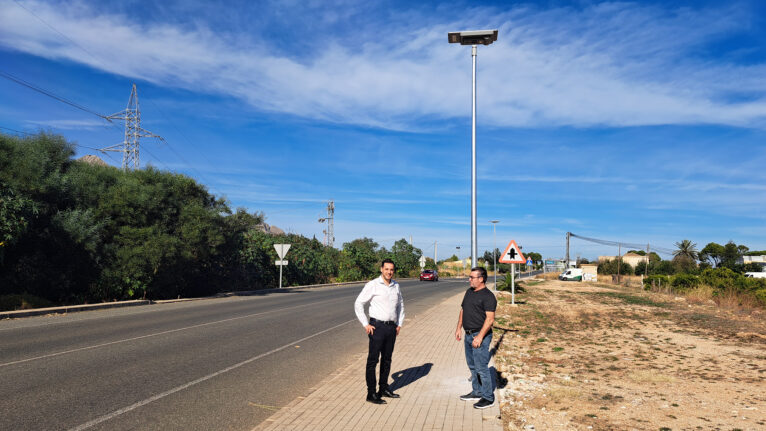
x=586, y=356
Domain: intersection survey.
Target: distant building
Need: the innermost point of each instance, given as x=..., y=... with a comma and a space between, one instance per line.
x=631, y=259
x=760, y=260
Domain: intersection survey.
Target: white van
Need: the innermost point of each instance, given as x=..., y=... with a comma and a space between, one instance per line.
x=755, y=274
x=571, y=274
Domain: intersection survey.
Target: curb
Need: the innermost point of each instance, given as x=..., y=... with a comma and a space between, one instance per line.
x=71, y=308
x=118, y=304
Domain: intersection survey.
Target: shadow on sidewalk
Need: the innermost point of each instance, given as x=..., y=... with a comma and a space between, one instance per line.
x=405, y=377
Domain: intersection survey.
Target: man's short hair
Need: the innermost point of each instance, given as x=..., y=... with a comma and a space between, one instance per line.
x=385, y=261
x=482, y=272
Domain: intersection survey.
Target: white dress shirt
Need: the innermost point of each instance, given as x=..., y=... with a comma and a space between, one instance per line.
x=385, y=301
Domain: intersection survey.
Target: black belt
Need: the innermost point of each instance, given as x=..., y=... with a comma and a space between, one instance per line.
x=385, y=322
x=472, y=331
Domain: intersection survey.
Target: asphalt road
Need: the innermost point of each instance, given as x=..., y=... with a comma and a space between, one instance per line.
x=211, y=364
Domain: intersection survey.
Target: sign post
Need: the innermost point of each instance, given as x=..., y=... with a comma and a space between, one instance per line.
x=512, y=255
x=281, y=252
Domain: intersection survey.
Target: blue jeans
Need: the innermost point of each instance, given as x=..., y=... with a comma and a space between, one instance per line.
x=478, y=361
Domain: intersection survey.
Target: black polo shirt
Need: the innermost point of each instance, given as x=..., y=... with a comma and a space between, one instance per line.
x=475, y=306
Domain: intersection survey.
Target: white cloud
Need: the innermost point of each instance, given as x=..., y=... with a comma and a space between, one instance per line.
x=69, y=124
x=614, y=64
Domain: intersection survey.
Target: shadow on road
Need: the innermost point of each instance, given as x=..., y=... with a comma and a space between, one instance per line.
x=405, y=377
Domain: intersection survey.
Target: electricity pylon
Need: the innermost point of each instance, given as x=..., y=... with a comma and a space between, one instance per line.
x=329, y=234
x=133, y=132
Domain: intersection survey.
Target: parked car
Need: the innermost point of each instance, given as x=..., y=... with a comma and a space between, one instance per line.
x=429, y=275
x=571, y=274
x=750, y=274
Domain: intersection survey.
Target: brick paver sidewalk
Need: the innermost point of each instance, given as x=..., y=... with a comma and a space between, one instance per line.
x=428, y=371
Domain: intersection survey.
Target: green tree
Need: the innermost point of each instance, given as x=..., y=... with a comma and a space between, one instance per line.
x=685, y=257
x=430, y=264
x=359, y=260
x=640, y=268
x=712, y=253
x=16, y=212
x=686, y=249
x=731, y=253
x=609, y=266
x=405, y=257
x=662, y=267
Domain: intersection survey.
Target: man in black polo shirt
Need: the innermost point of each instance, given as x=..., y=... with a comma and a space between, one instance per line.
x=477, y=314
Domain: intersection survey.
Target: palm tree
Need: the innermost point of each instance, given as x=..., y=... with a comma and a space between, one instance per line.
x=686, y=249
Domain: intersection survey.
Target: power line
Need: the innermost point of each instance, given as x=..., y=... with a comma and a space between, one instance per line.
x=49, y=94
x=623, y=244
x=17, y=131
x=52, y=28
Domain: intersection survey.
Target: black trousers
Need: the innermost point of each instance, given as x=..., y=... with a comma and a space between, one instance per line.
x=381, y=347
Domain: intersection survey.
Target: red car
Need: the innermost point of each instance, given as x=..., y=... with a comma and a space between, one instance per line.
x=429, y=275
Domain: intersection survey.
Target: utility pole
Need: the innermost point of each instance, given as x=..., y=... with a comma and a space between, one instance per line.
x=648, y=258
x=329, y=233
x=133, y=132
x=619, y=261
x=494, y=248
x=567, y=262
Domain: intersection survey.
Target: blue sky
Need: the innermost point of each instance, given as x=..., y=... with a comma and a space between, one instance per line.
x=625, y=121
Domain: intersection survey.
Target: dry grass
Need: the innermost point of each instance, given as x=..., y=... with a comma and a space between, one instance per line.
x=560, y=393
x=700, y=295
x=589, y=357
x=548, y=276
x=650, y=376
x=737, y=300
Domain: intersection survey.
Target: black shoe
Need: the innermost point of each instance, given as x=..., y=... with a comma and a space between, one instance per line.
x=470, y=397
x=387, y=393
x=375, y=399
x=483, y=404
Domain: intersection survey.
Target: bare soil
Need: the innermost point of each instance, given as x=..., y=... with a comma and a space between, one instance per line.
x=589, y=356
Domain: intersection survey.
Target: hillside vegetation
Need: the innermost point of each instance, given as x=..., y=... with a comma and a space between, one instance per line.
x=73, y=232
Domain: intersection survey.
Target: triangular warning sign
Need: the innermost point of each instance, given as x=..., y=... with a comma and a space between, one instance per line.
x=512, y=254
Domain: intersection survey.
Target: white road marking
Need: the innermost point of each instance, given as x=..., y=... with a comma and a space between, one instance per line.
x=160, y=333
x=116, y=413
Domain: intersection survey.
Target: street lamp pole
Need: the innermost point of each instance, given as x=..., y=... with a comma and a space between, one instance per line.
x=474, y=247
x=494, y=247
x=473, y=38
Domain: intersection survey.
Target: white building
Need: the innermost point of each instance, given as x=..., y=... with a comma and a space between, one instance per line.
x=761, y=260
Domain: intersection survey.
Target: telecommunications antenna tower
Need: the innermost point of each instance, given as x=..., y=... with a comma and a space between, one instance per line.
x=329, y=234
x=133, y=132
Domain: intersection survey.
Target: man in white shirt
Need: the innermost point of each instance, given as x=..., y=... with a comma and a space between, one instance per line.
x=386, y=318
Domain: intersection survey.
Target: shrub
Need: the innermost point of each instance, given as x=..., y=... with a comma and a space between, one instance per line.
x=663, y=267
x=760, y=295
x=22, y=302
x=610, y=267
x=683, y=282
x=655, y=281
x=505, y=285
x=719, y=278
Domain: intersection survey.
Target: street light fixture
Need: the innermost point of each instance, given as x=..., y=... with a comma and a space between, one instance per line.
x=473, y=38
x=494, y=247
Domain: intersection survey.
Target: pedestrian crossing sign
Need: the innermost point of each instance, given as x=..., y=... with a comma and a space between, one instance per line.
x=512, y=254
